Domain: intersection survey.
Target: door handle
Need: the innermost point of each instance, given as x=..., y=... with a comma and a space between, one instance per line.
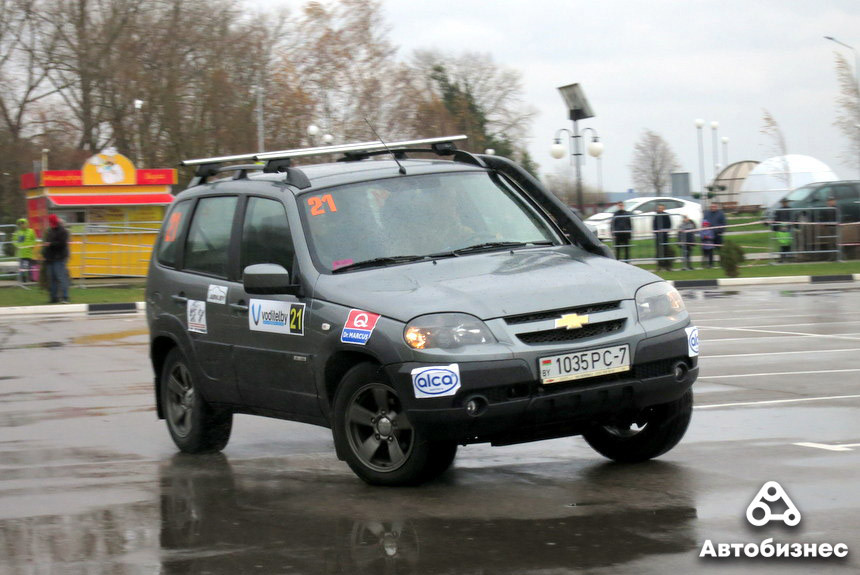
x=240, y=307
x=180, y=299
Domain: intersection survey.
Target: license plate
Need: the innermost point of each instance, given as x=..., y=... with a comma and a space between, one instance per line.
x=584, y=364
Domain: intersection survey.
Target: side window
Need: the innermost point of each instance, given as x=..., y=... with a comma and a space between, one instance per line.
x=647, y=207
x=171, y=231
x=266, y=234
x=206, y=249
x=672, y=204
x=846, y=193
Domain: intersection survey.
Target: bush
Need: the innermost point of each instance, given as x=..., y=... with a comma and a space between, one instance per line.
x=731, y=257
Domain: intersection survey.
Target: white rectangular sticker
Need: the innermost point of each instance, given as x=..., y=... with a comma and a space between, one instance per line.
x=196, y=311
x=217, y=294
x=436, y=381
x=692, y=341
x=276, y=317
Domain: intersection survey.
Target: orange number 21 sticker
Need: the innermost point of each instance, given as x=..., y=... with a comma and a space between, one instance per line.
x=318, y=204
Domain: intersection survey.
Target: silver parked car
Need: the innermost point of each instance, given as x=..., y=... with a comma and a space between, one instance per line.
x=410, y=305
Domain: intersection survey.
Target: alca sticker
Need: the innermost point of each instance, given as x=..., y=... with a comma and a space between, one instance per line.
x=692, y=341
x=217, y=294
x=436, y=381
x=276, y=317
x=358, y=327
x=196, y=311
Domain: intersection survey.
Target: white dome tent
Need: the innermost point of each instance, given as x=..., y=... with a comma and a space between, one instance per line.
x=776, y=176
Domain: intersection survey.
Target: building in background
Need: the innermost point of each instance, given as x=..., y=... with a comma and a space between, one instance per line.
x=775, y=177
x=112, y=210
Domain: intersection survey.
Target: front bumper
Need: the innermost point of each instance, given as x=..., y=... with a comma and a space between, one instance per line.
x=516, y=407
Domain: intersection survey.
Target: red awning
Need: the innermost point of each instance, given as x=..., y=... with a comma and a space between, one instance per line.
x=109, y=199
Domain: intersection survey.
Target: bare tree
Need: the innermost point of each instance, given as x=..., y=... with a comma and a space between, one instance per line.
x=653, y=163
x=770, y=128
x=848, y=108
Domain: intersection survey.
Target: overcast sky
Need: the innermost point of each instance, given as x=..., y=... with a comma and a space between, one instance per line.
x=657, y=65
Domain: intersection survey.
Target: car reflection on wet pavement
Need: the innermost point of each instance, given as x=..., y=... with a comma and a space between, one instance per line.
x=90, y=482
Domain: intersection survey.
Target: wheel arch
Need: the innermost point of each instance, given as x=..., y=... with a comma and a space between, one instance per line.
x=336, y=367
x=159, y=349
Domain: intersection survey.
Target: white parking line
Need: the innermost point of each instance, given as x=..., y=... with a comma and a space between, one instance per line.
x=775, y=401
x=777, y=352
x=736, y=317
x=751, y=330
x=777, y=373
x=838, y=447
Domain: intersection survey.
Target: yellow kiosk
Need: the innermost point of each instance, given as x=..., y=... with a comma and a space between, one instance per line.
x=112, y=210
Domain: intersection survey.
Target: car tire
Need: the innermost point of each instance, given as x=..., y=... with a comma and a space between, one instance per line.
x=659, y=430
x=376, y=439
x=193, y=424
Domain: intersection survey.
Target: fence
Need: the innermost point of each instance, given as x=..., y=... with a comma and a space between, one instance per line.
x=97, y=250
x=795, y=235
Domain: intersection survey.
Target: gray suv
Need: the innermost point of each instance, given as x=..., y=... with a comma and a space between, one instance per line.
x=411, y=305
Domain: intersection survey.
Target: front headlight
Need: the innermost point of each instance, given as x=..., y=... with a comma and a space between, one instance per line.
x=659, y=301
x=446, y=331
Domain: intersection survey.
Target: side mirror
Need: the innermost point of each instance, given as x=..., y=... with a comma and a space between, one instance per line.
x=268, y=279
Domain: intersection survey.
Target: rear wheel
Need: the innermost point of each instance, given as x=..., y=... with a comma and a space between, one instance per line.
x=657, y=430
x=193, y=424
x=375, y=436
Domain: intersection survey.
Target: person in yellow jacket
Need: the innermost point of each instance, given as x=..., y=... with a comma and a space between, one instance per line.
x=24, y=242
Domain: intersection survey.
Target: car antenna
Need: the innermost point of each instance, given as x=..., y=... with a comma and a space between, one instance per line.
x=402, y=170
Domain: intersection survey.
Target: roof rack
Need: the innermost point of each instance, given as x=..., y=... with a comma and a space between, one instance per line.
x=315, y=151
x=280, y=161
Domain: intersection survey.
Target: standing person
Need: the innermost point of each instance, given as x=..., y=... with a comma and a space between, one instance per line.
x=707, y=245
x=24, y=242
x=687, y=239
x=781, y=227
x=622, y=228
x=55, y=252
x=717, y=218
x=662, y=226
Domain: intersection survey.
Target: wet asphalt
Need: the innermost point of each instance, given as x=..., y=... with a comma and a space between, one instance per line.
x=91, y=483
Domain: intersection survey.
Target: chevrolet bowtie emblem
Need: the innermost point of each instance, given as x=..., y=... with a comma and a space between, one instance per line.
x=571, y=321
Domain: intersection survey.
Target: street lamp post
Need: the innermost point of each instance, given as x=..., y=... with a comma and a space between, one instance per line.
x=138, y=104
x=725, y=141
x=595, y=149
x=700, y=123
x=856, y=78
x=714, y=127
x=579, y=109
x=313, y=130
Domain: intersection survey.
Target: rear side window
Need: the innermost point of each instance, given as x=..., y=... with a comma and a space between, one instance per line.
x=846, y=193
x=171, y=232
x=206, y=249
x=266, y=234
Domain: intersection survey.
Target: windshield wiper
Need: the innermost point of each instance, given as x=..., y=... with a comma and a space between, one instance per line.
x=378, y=262
x=500, y=245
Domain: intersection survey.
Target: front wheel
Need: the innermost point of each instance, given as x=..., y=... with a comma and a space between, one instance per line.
x=376, y=438
x=193, y=424
x=657, y=430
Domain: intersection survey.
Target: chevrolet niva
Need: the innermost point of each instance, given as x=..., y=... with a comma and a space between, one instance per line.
x=411, y=305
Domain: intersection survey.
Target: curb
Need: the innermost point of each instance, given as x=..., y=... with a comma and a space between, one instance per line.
x=775, y=280
x=75, y=308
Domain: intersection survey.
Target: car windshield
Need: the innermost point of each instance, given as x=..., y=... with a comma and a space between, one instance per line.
x=413, y=217
x=798, y=194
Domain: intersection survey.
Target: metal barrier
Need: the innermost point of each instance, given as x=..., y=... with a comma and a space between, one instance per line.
x=107, y=250
x=801, y=234
x=807, y=234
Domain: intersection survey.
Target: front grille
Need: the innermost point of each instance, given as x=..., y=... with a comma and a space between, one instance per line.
x=554, y=314
x=562, y=335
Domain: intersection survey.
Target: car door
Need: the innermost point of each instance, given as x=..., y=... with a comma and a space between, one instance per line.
x=272, y=351
x=204, y=263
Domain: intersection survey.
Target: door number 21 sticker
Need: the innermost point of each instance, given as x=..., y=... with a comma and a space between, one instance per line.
x=276, y=317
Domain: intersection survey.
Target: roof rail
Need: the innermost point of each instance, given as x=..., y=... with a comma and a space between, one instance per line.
x=315, y=151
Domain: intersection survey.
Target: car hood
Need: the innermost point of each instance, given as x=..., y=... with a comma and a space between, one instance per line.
x=486, y=285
